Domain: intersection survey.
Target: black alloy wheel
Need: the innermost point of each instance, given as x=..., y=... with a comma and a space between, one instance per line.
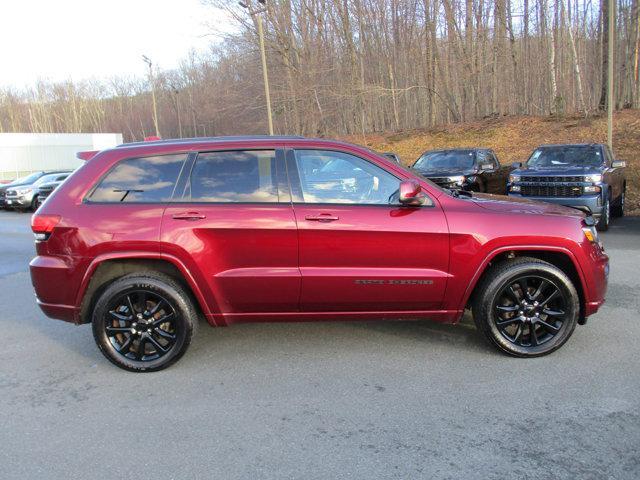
x=141, y=325
x=526, y=307
x=144, y=322
x=529, y=311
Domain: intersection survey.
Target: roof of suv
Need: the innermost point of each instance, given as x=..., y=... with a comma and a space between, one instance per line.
x=229, y=138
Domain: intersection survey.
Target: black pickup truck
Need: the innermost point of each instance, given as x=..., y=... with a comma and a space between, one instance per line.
x=471, y=169
x=584, y=176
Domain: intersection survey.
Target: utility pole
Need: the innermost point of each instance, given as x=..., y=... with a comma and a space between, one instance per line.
x=256, y=14
x=610, y=90
x=147, y=60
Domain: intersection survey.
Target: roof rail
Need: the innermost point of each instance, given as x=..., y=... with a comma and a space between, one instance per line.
x=213, y=139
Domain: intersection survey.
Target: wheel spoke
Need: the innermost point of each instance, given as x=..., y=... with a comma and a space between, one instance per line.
x=141, y=344
x=508, y=308
x=549, y=327
x=164, y=334
x=553, y=313
x=130, y=304
x=513, y=294
x=112, y=331
x=163, y=319
x=541, y=287
x=550, y=297
x=119, y=316
x=533, y=334
x=159, y=348
x=524, y=287
x=509, y=321
x=155, y=309
x=126, y=346
x=518, y=333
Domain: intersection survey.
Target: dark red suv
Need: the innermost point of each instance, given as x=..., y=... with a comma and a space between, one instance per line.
x=144, y=238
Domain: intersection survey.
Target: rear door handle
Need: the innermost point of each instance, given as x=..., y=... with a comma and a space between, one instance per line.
x=189, y=216
x=323, y=217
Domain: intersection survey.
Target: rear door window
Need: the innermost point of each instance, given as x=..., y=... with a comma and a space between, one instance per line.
x=239, y=176
x=140, y=180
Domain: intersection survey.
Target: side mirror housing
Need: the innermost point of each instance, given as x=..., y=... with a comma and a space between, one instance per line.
x=487, y=167
x=411, y=194
x=516, y=165
x=618, y=164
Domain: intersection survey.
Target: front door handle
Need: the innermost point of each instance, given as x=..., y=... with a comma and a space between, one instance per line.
x=323, y=217
x=189, y=216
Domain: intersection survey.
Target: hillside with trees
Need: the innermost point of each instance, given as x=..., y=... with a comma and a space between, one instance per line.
x=353, y=67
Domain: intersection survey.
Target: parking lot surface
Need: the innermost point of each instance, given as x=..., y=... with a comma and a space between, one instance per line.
x=321, y=400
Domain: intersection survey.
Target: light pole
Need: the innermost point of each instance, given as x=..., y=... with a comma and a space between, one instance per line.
x=610, y=100
x=263, y=56
x=147, y=60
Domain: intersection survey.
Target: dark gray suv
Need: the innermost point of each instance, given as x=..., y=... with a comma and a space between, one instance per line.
x=584, y=176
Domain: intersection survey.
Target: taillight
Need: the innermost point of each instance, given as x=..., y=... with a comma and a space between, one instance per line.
x=43, y=225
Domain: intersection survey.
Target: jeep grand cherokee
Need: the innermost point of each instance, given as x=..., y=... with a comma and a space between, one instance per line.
x=144, y=238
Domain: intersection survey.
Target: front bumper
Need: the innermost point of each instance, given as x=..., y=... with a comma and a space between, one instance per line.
x=592, y=202
x=18, y=201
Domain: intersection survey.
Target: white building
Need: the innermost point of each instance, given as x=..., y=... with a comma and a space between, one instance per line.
x=23, y=153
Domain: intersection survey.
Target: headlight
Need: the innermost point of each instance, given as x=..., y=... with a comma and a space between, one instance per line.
x=592, y=189
x=24, y=191
x=593, y=178
x=514, y=188
x=514, y=178
x=591, y=233
x=458, y=179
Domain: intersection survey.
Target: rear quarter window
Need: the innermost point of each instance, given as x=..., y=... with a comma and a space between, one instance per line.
x=142, y=180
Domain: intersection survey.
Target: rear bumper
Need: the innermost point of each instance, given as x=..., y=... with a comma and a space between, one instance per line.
x=52, y=281
x=592, y=202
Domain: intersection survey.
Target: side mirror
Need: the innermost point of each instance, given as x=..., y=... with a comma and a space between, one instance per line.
x=411, y=194
x=487, y=167
x=618, y=164
x=516, y=165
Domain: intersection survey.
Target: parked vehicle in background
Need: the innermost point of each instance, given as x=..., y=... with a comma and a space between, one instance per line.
x=584, y=176
x=470, y=169
x=25, y=196
x=392, y=156
x=257, y=229
x=19, y=182
x=47, y=189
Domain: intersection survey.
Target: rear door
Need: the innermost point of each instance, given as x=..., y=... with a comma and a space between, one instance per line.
x=232, y=223
x=359, y=249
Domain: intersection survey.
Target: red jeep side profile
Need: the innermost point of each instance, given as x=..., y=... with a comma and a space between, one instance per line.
x=147, y=237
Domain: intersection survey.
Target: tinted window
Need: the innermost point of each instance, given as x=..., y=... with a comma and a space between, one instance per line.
x=562, y=156
x=235, y=176
x=459, y=159
x=147, y=179
x=336, y=177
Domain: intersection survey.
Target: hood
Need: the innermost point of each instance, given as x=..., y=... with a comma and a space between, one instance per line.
x=449, y=172
x=14, y=185
x=500, y=203
x=567, y=170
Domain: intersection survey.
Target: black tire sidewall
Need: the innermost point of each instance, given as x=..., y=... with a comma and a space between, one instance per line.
x=495, y=286
x=183, y=323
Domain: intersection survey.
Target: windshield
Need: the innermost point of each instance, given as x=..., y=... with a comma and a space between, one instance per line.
x=576, y=155
x=47, y=179
x=28, y=179
x=457, y=159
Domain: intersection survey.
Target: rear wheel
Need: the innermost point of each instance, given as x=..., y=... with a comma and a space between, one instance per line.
x=526, y=307
x=144, y=322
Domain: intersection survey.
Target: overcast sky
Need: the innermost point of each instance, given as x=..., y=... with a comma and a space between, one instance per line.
x=79, y=39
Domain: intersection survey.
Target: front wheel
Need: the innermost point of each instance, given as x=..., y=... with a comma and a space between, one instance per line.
x=605, y=217
x=618, y=210
x=144, y=322
x=526, y=307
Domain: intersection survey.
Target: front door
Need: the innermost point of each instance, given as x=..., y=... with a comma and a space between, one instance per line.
x=359, y=249
x=233, y=223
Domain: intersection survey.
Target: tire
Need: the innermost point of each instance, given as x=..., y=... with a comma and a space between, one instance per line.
x=605, y=218
x=618, y=210
x=34, y=205
x=494, y=314
x=139, y=340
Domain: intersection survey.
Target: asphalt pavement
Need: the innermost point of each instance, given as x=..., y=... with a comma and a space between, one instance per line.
x=361, y=400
